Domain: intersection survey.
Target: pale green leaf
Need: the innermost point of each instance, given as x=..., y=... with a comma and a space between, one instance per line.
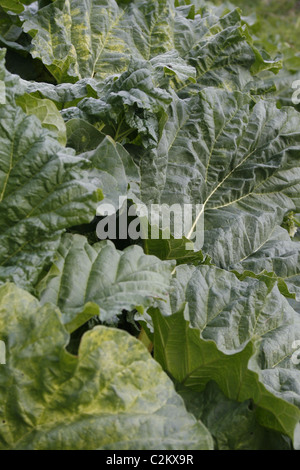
x=44, y=189
x=237, y=158
x=14, y=6
x=83, y=136
x=233, y=425
x=78, y=40
x=278, y=256
x=112, y=396
x=131, y=107
x=98, y=280
x=239, y=334
x=98, y=38
x=47, y=113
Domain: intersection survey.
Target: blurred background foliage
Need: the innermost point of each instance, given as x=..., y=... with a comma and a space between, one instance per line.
x=273, y=23
x=275, y=28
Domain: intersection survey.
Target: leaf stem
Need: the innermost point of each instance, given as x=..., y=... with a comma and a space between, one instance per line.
x=145, y=340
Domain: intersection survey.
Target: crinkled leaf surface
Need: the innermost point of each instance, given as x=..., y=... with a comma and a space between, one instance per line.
x=77, y=40
x=219, y=48
x=139, y=77
x=175, y=249
x=112, y=396
x=47, y=113
x=86, y=280
x=280, y=256
x=239, y=159
x=97, y=38
x=83, y=136
x=233, y=425
x=63, y=95
x=109, y=163
x=172, y=65
x=11, y=31
x=284, y=81
x=239, y=334
x=130, y=103
x=44, y=189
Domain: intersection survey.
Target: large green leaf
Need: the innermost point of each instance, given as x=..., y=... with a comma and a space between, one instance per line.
x=279, y=256
x=87, y=281
x=77, y=40
x=285, y=94
x=97, y=38
x=111, y=168
x=14, y=6
x=130, y=108
x=238, y=159
x=162, y=104
x=83, y=136
x=239, y=334
x=220, y=49
x=11, y=32
x=47, y=113
x=43, y=190
x=275, y=28
x=63, y=95
x=233, y=425
x=130, y=104
x=112, y=396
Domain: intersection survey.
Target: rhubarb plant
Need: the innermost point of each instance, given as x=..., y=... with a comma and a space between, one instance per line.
x=115, y=332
